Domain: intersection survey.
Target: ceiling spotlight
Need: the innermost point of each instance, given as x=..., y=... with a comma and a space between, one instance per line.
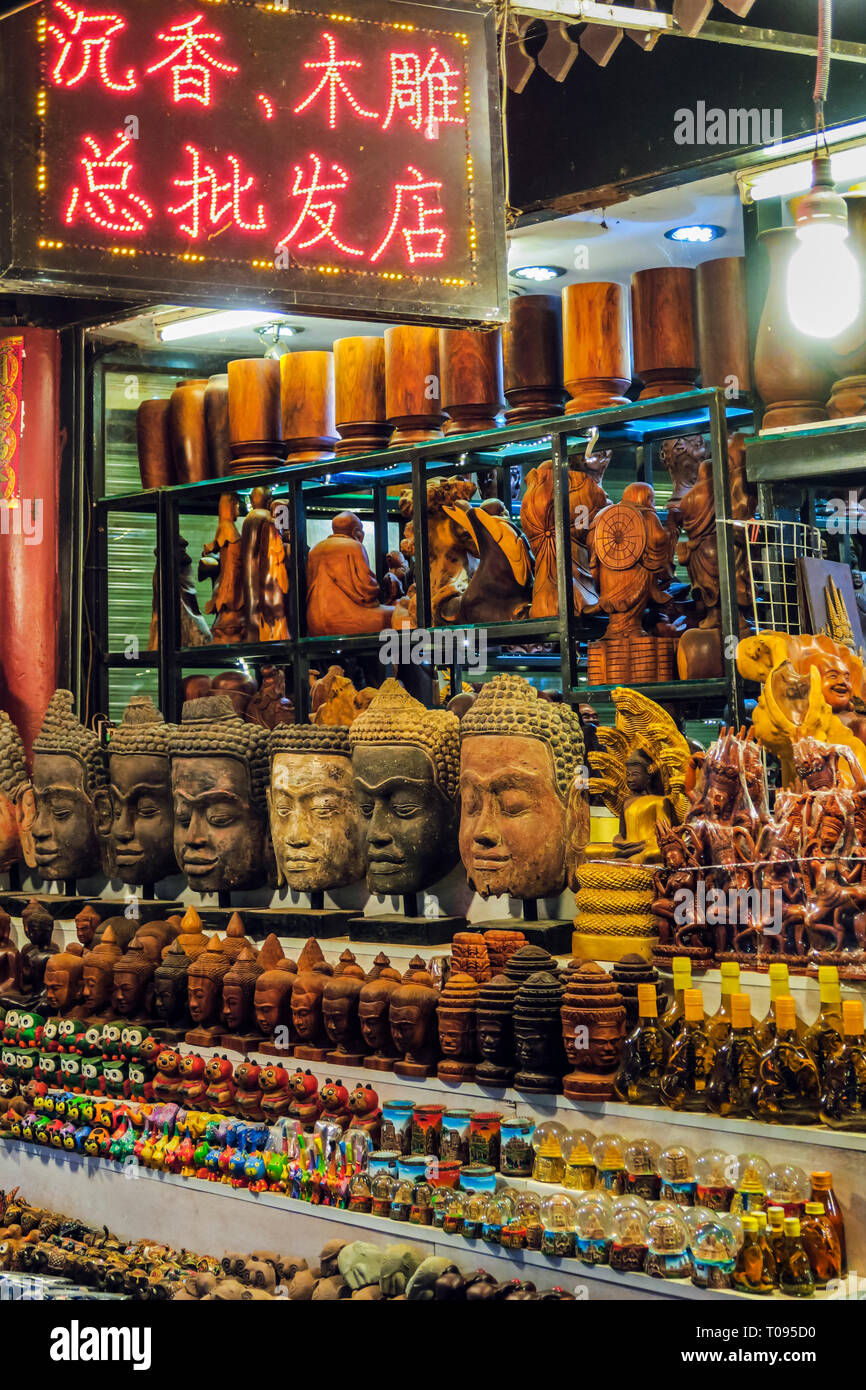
x=537, y=273
x=696, y=235
x=271, y=336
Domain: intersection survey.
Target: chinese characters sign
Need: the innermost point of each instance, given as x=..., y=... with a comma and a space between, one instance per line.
x=267, y=152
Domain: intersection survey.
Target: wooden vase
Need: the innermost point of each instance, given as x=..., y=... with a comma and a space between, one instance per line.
x=187, y=431
x=663, y=324
x=413, y=398
x=216, y=423
x=848, y=351
x=722, y=324
x=472, y=378
x=595, y=337
x=155, y=461
x=255, y=430
x=307, y=396
x=532, y=352
x=359, y=369
x=790, y=376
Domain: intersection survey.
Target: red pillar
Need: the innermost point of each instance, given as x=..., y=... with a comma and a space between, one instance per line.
x=29, y=476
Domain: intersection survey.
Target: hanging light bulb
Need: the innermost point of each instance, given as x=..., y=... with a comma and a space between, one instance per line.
x=823, y=275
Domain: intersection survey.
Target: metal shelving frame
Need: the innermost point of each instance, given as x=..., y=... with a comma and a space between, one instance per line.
x=310, y=487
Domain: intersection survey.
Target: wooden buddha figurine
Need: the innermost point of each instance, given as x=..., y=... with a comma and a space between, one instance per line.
x=518, y=756
x=63, y=983
x=32, y=959
x=412, y=1017
x=170, y=998
x=374, y=1002
x=192, y=937
x=495, y=1031
x=699, y=654
x=343, y=595
x=8, y=953
x=238, y=1001
x=272, y=996
x=98, y=976
x=219, y=771
x=87, y=927
x=538, y=1035
x=585, y=500
x=455, y=1012
x=133, y=978
x=316, y=825
x=307, y=1021
x=204, y=989
x=70, y=793
x=405, y=763
x=14, y=792
x=593, y=1007
x=140, y=787
x=340, y=1016
x=221, y=563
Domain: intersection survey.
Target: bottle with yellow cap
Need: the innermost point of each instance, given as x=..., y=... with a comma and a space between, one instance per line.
x=722, y=1021
x=645, y=1054
x=755, y=1270
x=787, y=1089
x=825, y=1036
x=672, y=1018
x=765, y=1030
x=795, y=1272
x=821, y=1244
x=764, y=1236
x=843, y=1098
x=691, y=1061
x=736, y=1067
x=775, y=1228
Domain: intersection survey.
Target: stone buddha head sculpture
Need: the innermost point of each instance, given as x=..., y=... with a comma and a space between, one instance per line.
x=98, y=974
x=70, y=793
x=239, y=988
x=374, y=1002
x=456, y=1016
x=316, y=826
x=538, y=1033
x=405, y=761
x=340, y=1001
x=219, y=770
x=204, y=984
x=63, y=982
x=412, y=1017
x=593, y=1031
x=133, y=977
x=139, y=777
x=518, y=756
x=272, y=996
x=495, y=1030
x=170, y=1003
x=14, y=791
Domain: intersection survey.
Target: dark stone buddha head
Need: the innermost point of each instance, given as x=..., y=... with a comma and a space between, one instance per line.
x=170, y=987
x=140, y=789
x=239, y=987
x=70, y=793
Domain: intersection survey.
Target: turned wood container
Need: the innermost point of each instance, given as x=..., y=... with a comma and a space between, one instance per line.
x=595, y=339
x=791, y=372
x=848, y=351
x=187, y=431
x=722, y=324
x=665, y=355
x=155, y=461
x=532, y=352
x=255, y=430
x=472, y=378
x=216, y=423
x=307, y=395
x=413, y=395
x=359, y=369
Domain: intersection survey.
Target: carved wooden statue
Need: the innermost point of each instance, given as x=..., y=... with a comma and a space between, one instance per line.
x=194, y=631
x=452, y=550
x=221, y=563
x=334, y=699
x=585, y=500
x=263, y=570
x=343, y=595
x=500, y=588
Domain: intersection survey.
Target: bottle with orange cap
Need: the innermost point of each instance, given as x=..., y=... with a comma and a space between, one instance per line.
x=825, y=1036
x=645, y=1054
x=736, y=1066
x=822, y=1191
x=691, y=1060
x=787, y=1089
x=843, y=1099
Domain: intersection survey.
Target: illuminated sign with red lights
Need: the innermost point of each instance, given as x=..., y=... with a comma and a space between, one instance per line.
x=269, y=153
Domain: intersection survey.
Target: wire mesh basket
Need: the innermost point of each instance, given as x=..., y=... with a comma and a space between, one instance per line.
x=772, y=549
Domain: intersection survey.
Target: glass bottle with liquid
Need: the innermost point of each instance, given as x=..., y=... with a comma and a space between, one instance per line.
x=826, y=1035
x=735, y=1070
x=692, y=1057
x=843, y=1097
x=673, y=1016
x=755, y=1269
x=765, y=1030
x=775, y=1228
x=822, y=1191
x=821, y=1244
x=787, y=1089
x=645, y=1054
x=721, y=1022
x=795, y=1271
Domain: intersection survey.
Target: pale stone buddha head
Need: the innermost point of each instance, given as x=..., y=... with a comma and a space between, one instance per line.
x=316, y=826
